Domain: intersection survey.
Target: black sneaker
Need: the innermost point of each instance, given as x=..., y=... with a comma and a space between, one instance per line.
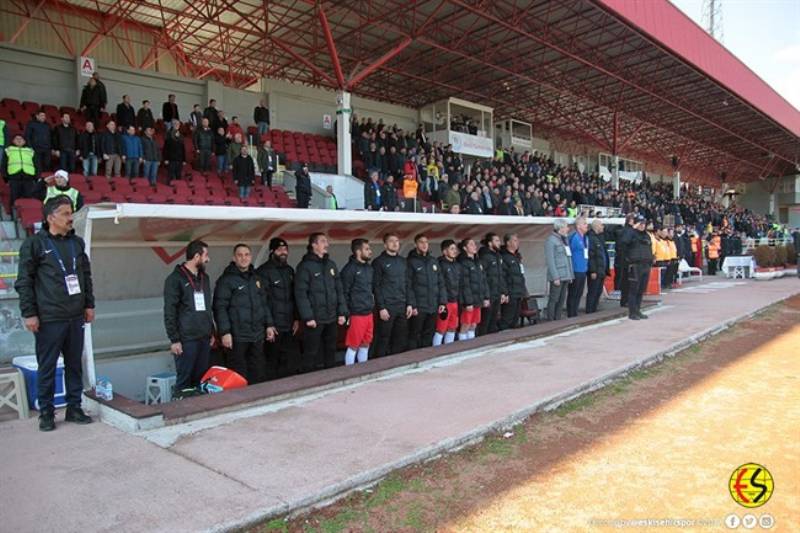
x=634, y=317
x=47, y=422
x=76, y=414
x=643, y=316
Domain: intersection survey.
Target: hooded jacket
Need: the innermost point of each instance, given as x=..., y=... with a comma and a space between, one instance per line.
x=426, y=289
x=514, y=274
x=474, y=289
x=357, y=287
x=279, y=283
x=240, y=305
x=318, y=291
x=182, y=320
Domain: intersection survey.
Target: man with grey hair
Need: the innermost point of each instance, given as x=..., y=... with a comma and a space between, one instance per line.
x=598, y=265
x=559, y=268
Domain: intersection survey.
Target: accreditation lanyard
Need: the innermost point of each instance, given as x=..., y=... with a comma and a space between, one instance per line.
x=199, y=295
x=70, y=280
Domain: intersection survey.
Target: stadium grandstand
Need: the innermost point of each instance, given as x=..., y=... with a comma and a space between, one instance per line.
x=286, y=127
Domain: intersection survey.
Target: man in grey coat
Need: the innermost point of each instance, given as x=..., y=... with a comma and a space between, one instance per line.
x=559, y=268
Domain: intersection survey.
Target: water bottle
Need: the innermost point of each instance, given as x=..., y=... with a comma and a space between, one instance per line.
x=104, y=389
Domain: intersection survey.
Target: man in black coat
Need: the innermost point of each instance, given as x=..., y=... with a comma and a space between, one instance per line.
x=38, y=137
x=320, y=302
x=56, y=299
x=302, y=187
x=169, y=112
x=188, y=317
x=474, y=296
x=598, y=266
x=491, y=261
x=212, y=115
x=243, y=316
x=65, y=144
x=283, y=351
x=624, y=236
x=126, y=114
x=393, y=299
x=429, y=296
x=514, y=274
x=144, y=117
x=639, y=254
x=389, y=194
x=357, y=286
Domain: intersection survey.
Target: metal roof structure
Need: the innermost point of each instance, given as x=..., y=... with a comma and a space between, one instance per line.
x=629, y=77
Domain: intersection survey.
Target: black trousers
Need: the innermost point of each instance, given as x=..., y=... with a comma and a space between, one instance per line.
x=489, y=319
x=575, y=293
x=509, y=314
x=638, y=276
x=622, y=282
x=204, y=160
x=391, y=336
x=266, y=178
x=66, y=160
x=192, y=363
x=319, y=347
x=174, y=170
x=712, y=267
x=593, y=292
x=420, y=330
x=42, y=158
x=247, y=359
x=21, y=188
x=303, y=200
x=282, y=356
x=62, y=337
x=619, y=278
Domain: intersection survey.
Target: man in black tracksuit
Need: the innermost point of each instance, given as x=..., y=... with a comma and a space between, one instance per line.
x=427, y=292
x=474, y=297
x=514, y=274
x=598, y=265
x=491, y=260
x=320, y=303
x=302, y=188
x=243, y=316
x=188, y=317
x=283, y=352
x=357, y=285
x=450, y=279
x=640, y=259
x=624, y=236
x=56, y=299
x=393, y=299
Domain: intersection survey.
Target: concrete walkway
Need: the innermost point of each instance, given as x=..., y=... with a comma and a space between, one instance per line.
x=240, y=467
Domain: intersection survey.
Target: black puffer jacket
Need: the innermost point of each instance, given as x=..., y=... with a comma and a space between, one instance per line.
x=426, y=289
x=492, y=263
x=474, y=289
x=40, y=280
x=639, y=249
x=279, y=281
x=514, y=274
x=181, y=320
x=357, y=287
x=240, y=305
x=318, y=290
x=450, y=272
x=391, y=283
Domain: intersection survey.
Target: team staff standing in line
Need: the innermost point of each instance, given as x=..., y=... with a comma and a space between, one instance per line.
x=320, y=303
x=393, y=298
x=491, y=261
x=243, y=316
x=56, y=299
x=428, y=293
x=640, y=259
x=598, y=265
x=283, y=351
x=450, y=271
x=558, y=256
x=357, y=286
x=474, y=290
x=514, y=275
x=187, y=316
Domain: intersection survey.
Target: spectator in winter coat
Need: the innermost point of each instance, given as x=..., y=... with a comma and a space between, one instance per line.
x=144, y=118
x=92, y=101
x=151, y=154
x=244, y=172
x=169, y=112
x=174, y=154
x=126, y=114
x=111, y=149
x=65, y=144
x=38, y=138
x=89, y=145
x=131, y=152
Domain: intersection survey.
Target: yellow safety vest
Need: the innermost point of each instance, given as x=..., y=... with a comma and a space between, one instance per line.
x=71, y=193
x=20, y=159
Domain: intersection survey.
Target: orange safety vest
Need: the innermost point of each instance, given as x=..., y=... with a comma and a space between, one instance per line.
x=410, y=187
x=673, y=249
x=713, y=248
x=696, y=246
x=661, y=251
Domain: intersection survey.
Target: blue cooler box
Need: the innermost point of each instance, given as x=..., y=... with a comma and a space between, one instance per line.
x=30, y=369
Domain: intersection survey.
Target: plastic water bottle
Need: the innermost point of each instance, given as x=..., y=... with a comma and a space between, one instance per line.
x=104, y=389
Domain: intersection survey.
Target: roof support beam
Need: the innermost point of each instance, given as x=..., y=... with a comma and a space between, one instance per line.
x=326, y=31
x=378, y=63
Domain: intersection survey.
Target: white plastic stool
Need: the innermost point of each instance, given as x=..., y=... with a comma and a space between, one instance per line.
x=13, y=392
x=159, y=388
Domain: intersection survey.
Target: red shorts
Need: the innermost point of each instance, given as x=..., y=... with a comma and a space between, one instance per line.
x=471, y=318
x=451, y=322
x=359, y=333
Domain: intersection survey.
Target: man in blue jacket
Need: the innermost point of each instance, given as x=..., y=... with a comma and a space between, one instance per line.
x=131, y=152
x=579, y=245
x=37, y=136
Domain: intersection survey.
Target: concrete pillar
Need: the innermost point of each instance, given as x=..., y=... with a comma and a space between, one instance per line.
x=615, y=172
x=344, y=149
x=773, y=203
x=676, y=184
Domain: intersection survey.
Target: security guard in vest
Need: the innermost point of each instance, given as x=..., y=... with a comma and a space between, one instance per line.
x=58, y=185
x=21, y=170
x=640, y=259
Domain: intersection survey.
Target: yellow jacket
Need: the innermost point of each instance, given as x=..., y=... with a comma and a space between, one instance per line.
x=673, y=249
x=661, y=251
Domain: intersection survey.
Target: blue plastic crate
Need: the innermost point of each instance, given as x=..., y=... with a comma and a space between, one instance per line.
x=30, y=370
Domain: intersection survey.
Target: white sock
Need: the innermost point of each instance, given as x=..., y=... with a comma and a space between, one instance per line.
x=437, y=339
x=462, y=336
x=449, y=337
x=363, y=353
x=472, y=334
x=349, y=356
